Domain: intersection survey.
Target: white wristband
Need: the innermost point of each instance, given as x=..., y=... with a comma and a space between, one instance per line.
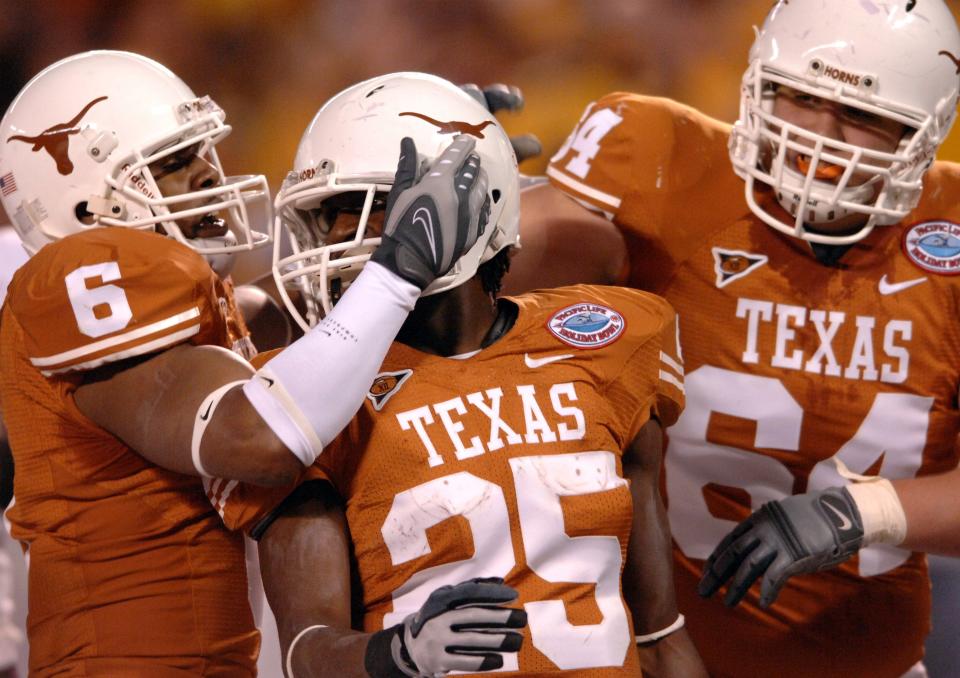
x=881, y=512
x=289, y=662
x=662, y=633
x=204, y=414
x=312, y=389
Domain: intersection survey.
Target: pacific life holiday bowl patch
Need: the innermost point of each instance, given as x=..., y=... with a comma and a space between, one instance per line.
x=934, y=246
x=586, y=325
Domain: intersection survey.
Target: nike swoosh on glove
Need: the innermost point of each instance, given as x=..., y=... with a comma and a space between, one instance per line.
x=800, y=534
x=464, y=627
x=433, y=218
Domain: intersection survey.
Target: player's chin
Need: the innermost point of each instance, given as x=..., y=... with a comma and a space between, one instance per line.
x=848, y=224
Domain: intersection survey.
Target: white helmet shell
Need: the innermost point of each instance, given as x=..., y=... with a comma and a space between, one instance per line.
x=352, y=146
x=898, y=60
x=78, y=141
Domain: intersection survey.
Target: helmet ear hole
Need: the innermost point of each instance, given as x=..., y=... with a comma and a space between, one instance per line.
x=83, y=216
x=496, y=195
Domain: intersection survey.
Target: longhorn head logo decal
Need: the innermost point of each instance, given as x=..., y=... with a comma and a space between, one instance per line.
x=56, y=140
x=454, y=126
x=955, y=60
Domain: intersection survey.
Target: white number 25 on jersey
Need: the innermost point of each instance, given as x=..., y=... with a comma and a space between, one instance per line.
x=540, y=481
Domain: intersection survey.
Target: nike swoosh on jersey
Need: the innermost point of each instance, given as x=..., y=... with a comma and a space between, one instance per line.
x=892, y=288
x=534, y=363
x=845, y=523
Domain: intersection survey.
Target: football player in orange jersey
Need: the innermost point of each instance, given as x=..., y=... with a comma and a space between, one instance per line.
x=812, y=276
x=512, y=441
x=117, y=378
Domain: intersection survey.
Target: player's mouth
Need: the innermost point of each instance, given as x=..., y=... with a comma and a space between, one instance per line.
x=208, y=226
x=825, y=171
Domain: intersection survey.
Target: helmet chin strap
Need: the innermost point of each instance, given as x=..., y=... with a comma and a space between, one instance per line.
x=221, y=264
x=815, y=209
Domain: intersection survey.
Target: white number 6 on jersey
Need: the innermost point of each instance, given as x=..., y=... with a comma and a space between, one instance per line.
x=85, y=300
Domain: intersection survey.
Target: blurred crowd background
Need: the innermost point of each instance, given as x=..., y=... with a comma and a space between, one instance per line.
x=271, y=63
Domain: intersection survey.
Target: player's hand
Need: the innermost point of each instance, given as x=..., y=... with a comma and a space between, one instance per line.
x=797, y=535
x=433, y=217
x=499, y=97
x=464, y=627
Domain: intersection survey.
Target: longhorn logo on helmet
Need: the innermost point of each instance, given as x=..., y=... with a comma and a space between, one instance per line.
x=55, y=140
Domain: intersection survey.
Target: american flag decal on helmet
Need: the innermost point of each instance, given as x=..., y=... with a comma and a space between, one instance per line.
x=8, y=184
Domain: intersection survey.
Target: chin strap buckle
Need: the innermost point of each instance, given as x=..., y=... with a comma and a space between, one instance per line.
x=105, y=207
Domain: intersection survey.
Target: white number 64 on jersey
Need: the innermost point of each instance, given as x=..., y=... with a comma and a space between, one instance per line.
x=895, y=427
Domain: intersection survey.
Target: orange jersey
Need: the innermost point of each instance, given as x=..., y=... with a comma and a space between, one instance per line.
x=508, y=463
x=131, y=572
x=790, y=365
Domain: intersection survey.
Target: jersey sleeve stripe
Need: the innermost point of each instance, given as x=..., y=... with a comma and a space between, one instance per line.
x=671, y=363
x=221, y=502
x=670, y=379
x=592, y=193
x=140, y=349
x=117, y=339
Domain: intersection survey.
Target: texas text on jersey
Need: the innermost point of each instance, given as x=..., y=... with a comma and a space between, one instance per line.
x=506, y=464
x=790, y=365
x=114, y=541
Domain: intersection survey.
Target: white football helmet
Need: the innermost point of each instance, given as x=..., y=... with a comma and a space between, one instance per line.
x=78, y=141
x=352, y=147
x=897, y=59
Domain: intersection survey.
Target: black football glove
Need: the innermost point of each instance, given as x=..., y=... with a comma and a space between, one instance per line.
x=500, y=97
x=459, y=628
x=434, y=217
x=800, y=534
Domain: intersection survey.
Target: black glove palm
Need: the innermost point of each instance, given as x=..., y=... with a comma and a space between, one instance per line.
x=797, y=535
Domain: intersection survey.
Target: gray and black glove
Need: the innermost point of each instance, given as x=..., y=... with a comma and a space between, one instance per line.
x=499, y=97
x=434, y=217
x=459, y=628
x=797, y=535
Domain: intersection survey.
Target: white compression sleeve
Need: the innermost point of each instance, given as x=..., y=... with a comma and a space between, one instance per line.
x=312, y=388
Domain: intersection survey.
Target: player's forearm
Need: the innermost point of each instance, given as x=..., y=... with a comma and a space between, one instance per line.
x=671, y=657
x=163, y=408
x=240, y=446
x=648, y=574
x=932, y=508
x=328, y=653
x=649, y=589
